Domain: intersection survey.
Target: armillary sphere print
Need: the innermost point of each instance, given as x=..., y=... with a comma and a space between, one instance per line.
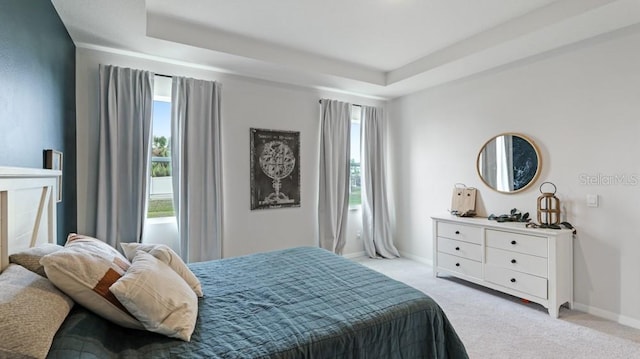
x=277, y=161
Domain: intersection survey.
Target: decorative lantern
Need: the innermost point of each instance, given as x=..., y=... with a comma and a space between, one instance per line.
x=548, y=207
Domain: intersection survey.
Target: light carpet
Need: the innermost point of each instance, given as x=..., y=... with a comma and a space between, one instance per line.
x=495, y=325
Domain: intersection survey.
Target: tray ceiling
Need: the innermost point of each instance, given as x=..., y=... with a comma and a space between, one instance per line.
x=379, y=48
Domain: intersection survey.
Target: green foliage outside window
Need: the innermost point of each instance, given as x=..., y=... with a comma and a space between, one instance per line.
x=160, y=165
x=355, y=196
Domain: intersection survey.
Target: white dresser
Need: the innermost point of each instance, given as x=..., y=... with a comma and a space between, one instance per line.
x=534, y=264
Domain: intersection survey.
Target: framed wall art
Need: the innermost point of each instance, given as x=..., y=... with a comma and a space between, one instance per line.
x=53, y=161
x=275, y=168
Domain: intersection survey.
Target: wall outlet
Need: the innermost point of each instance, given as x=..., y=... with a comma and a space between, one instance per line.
x=592, y=200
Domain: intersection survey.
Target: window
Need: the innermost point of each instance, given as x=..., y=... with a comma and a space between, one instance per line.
x=355, y=198
x=161, y=187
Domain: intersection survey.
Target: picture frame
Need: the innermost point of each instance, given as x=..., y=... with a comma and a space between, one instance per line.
x=53, y=160
x=275, y=168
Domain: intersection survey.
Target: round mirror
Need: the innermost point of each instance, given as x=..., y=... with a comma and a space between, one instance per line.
x=509, y=163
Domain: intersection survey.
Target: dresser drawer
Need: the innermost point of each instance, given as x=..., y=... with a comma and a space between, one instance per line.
x=517, y=261
x=520, y=243
x=459, y=248
x=460, y=265
x=522, y=282
x=460, y=232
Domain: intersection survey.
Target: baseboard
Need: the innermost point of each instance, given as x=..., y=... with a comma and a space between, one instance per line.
x=402, y=255
x=354, y=255
x=621, y=319
x=418, y=259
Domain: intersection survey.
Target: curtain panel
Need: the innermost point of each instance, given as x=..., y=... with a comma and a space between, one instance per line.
x=333, y=205
x=196, y=167
x=126, y=107
x=376, y=226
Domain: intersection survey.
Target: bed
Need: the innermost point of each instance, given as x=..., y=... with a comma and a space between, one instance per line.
x=293, y=303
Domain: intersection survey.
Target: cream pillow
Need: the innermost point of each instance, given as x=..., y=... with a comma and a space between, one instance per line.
x=156, y=295
x=168, y=257
x=31, y=311
x=85, y=269
x=30, y=258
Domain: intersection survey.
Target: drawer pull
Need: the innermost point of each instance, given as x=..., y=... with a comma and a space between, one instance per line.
x=457, y=264
x=513, y=261
x=513, y=242
x=457, y=232
x=513, y=280
x=457, y=248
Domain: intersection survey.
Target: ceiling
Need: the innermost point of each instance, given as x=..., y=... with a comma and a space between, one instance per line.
x=376, y=48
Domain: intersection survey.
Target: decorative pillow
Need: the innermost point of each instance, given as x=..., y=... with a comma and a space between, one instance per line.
x=30, y=258
x=31, y=311
x=156, y=295
x=85, y=269
x=168, y=257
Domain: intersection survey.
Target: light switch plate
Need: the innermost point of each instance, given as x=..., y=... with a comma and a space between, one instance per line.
x=592, y=200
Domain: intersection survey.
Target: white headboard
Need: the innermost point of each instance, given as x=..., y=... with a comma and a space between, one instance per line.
x=27, y=209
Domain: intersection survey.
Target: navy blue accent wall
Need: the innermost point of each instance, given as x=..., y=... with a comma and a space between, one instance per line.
x=37, y=94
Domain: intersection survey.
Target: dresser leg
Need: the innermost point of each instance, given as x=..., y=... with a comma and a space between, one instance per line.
x=554, y=311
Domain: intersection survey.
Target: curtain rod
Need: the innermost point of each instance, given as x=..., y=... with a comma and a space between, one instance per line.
x=353, y=104
x=163, y=75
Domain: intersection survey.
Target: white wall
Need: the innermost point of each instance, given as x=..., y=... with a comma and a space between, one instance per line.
x=246, y=103
x=581, y=105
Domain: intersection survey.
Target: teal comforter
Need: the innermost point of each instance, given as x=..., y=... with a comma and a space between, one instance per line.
x=294, y=303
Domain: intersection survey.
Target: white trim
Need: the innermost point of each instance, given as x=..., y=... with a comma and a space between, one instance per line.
x=416, y=258
x=618, y=318
x=350, y=93
x=23, y=172
x=162, y=98
x=161, y=220
x=354, y=255
x=140, y=55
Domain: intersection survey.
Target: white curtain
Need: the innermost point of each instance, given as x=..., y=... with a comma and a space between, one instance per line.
x=504, y=162
x=126, y=106
x=333, y=206
x=376, y=230
x=489, y=164
x=196, y=165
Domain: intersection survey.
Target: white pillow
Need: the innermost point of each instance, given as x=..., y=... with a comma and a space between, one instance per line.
x=158, y=297
x=85, y=269
x=168, y=257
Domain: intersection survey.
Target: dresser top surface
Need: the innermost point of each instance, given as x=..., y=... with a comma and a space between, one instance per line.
x=510, y=226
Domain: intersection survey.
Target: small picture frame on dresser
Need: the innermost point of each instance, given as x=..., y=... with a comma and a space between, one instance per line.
x=53, y=161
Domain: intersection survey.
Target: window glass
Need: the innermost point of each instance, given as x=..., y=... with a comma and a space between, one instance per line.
x=355, y=198
x=161, y=188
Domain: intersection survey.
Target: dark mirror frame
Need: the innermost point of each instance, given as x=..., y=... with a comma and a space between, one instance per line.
x=532, y=150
